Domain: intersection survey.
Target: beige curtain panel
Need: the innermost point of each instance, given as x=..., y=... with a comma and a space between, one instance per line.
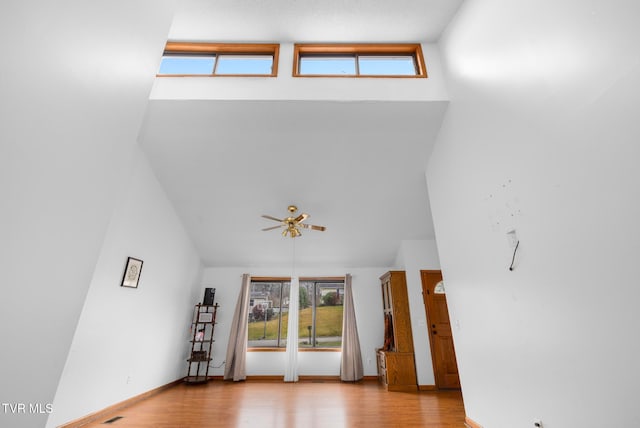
x=351, y=369
x=235, y=368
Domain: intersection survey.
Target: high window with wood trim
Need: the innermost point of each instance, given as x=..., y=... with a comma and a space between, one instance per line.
x=359, y=60
x=219, y=59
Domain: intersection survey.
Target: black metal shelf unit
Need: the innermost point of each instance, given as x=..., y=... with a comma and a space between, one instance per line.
x=202, y=327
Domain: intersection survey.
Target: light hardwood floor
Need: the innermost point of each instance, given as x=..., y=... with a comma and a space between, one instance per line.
x=310, y=404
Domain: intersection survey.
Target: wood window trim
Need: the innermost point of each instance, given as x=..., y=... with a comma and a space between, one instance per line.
x=270, y=279
x=302, y=278
x=195, y=48
x=273, y=349
x=413, y=49
x=322, y=278
x=319, y=349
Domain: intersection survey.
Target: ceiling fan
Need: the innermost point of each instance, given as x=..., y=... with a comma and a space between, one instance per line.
x=293, y=224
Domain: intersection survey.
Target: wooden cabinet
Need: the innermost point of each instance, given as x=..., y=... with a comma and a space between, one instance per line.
x=396, y=361
x=201, y=343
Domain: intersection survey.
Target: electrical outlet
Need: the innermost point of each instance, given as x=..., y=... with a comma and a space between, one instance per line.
x=537, y=423
x=128, y=380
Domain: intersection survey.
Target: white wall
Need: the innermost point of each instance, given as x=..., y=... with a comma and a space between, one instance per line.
x=541, y=134
x=414, y=256
x=367, y=299
x=287, y=87
x=75, y=81
x=129, y=341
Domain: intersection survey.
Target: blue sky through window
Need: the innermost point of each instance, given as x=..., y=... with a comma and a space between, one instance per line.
x=187, y=65
x=328, y=66
x=386, y=66
x=368, y=65
x=244, y=64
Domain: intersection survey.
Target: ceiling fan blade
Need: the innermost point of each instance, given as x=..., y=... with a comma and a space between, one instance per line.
x=313, y=227
x=273, y=227
x=271, y=218
x=302, y=217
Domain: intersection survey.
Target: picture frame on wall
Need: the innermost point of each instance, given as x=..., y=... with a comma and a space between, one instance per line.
x=131, y=275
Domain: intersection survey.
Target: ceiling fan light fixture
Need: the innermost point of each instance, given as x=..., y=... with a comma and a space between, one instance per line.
x=292, y=224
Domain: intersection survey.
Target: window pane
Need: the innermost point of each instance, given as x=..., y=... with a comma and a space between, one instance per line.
x=284, y=314
x=320, y=319
x=244, y=64
x=187, y=65
x=329, y=314
x=305, y=317
x=268, y=307
x=386, y=66
x=328, y=65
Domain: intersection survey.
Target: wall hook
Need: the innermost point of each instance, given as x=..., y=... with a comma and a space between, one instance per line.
x=514, y=255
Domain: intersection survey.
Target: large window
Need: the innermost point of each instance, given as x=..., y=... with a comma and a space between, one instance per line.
x=320, y=318
x=358, y=60
x=268, y=313
x=219, y=59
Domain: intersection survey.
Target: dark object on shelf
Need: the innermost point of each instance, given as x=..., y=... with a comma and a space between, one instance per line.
x=199, y=356
x=388, y=332
x=209, y=295
x=202, y=326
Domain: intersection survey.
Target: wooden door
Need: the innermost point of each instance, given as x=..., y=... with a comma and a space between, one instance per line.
x=443, y=352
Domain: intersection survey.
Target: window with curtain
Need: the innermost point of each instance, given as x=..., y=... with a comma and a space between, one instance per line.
x=320, y=313
x=320, y=316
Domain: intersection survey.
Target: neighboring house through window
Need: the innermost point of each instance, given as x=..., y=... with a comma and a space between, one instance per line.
x=268, y=313
x=321, y=308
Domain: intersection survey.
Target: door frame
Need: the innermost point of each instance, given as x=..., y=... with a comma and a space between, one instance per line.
x=428, y=326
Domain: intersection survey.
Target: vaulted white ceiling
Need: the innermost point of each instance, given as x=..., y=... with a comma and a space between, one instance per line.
x=356, y=167
x=313, y=20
